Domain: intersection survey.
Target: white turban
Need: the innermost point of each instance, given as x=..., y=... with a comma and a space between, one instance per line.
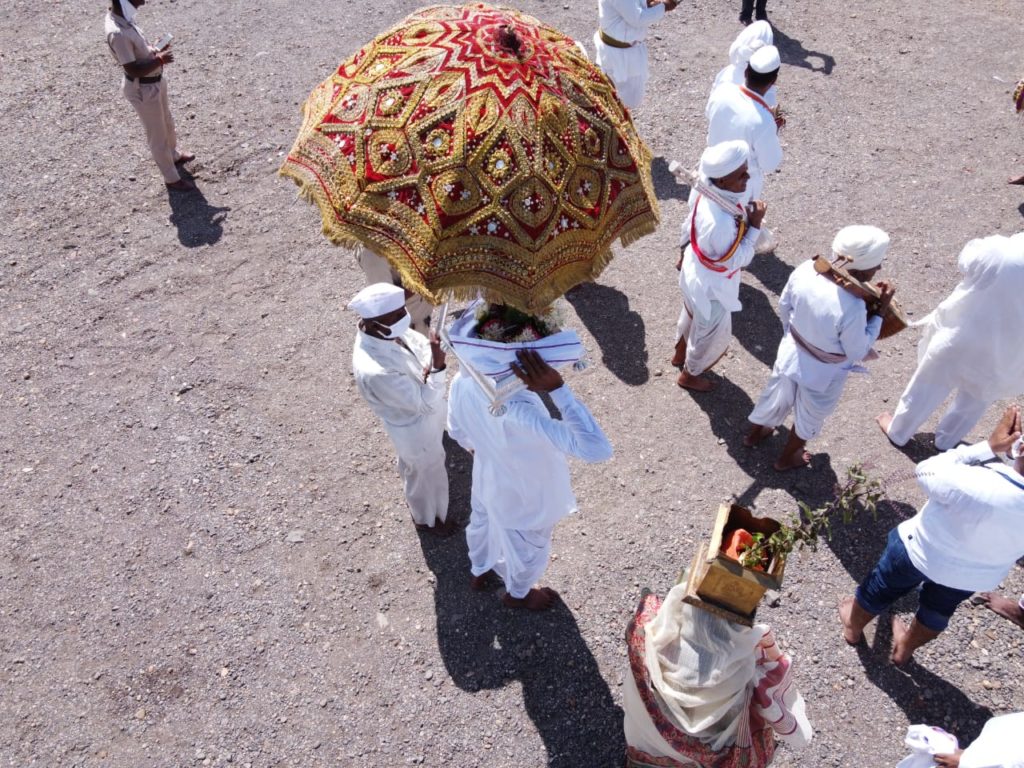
x=765, y=59
x=864, y=245
x=749, y=40
x=377, y=299
x=722, y=159
x=128, y=11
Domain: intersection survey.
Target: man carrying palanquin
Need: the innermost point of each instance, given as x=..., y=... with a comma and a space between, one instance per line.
x=619, y=40
x=970, y=344
x=828, y=331
x=402, y=377
x=705, y=692
x=521, y=485
x=966, y=538
x=717, y=244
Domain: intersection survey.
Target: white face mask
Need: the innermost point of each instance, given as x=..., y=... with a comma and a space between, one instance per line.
x=399, y=327
x=1017, y=449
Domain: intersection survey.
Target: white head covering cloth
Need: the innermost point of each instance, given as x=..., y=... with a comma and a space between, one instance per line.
x=128, y=11
x=765, y=59
x=723, y=158
x=865, y=245
x=749, y=40
x=377, y=299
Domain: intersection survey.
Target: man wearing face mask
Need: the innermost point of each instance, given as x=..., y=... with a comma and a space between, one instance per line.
x=146, y=89
x=402, y=376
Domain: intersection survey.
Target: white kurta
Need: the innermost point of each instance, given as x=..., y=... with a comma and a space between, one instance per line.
x=998, y=746
x=626, y=21
x=390, y=379
x=971, y=344
x=521, y=484
x=710, y=297
x=829, y=319
x=735, y=74
x=733, y=115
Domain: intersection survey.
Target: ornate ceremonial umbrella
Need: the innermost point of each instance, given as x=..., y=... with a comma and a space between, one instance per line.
x=477, y=150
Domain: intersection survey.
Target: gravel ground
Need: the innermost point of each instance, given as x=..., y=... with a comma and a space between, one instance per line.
x=206, y=558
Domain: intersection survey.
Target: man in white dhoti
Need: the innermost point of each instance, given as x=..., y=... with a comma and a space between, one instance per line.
x=402, y=377
x=619, y=40
x=747, y=42
x=521, y=485
x=717, y=244
x=704, y=691
x=828, y=331
x=998, y=746
x=377, y=270
x=970, y=344
x=742, y=112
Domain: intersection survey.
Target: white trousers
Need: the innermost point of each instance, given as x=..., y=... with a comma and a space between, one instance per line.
x=377, y=270
x=154, y=110
x=627, y=68
x=924, y=394
x=810, y=409
x=518, y=557
x=707, y=339
x=421, y=464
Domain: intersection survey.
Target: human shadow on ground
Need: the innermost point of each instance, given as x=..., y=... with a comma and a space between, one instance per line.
x=757, y=326
x=485, y=645
x=727, y=408
x=666, y=185
x=792, y=52
x=198, y=223
x=923, y=696
x=618, y=330
x=772, y=271
x=1020, y=209
x=920, y=447
x=859, y=543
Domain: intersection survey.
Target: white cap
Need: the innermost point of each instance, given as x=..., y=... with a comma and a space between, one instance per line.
x=722, y=159
x=377, y=299
x=765, y=59
x=864, y=245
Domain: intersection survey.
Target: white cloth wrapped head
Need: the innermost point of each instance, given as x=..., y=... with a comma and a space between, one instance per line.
x=753, y=37
x=721, y=159
x=765, y=59
x=128, y=11
x=863, y=245
x=377, y=299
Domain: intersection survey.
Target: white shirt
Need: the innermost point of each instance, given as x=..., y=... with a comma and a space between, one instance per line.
x=828, y=317
x=971, y=531
x=733, y=115
x=716, y=231
x=998, y=746
x=390, y=378
x=627, y=20
x=736, y=73
x=520, y=472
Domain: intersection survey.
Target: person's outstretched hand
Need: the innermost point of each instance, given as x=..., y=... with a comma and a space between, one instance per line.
x=535, y=373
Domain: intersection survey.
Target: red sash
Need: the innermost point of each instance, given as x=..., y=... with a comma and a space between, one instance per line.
x=715, y=265
x=751, y=95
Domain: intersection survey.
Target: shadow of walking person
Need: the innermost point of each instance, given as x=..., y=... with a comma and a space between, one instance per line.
x=618, y=330
x=485, y=645
x=198, y=223
x=666, y=185
x=757, y=327
x=792, y=52
x=772, y=271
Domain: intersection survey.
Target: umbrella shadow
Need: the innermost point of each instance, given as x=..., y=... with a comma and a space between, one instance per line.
x=618, y=330
x=198, y=223
x=757, y=327
x=486, y=646
x=923, y=696
x=666, y=185
x=792, y=52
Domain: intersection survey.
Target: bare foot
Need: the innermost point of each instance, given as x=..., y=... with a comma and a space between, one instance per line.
x=483, y=581
x=694, y=383
x=899, y=656
x=1017, y=180
x=797, y=460
x=884, y=420
x=756, y=435
x=1002, y=606
x=845, y=616
x=536, y=599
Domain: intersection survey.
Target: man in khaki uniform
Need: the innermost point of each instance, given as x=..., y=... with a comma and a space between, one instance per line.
x=144, y=87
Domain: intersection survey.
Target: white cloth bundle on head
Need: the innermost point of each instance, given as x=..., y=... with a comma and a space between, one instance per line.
x=494, y=358
x=753, y=37
x=724, y=158
x=705, y=671
x=765, y=59
x=377, y=299
x=863, y=244
x=128, y=11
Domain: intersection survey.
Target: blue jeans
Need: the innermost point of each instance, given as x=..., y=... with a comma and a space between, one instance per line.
x=895, y=576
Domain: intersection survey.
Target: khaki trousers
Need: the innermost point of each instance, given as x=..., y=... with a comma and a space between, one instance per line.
x=150, y=101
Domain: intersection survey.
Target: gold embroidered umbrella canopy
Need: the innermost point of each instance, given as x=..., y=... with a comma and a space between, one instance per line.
x=477, y=150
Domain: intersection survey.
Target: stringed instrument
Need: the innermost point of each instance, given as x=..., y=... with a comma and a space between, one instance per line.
x=894, y=319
